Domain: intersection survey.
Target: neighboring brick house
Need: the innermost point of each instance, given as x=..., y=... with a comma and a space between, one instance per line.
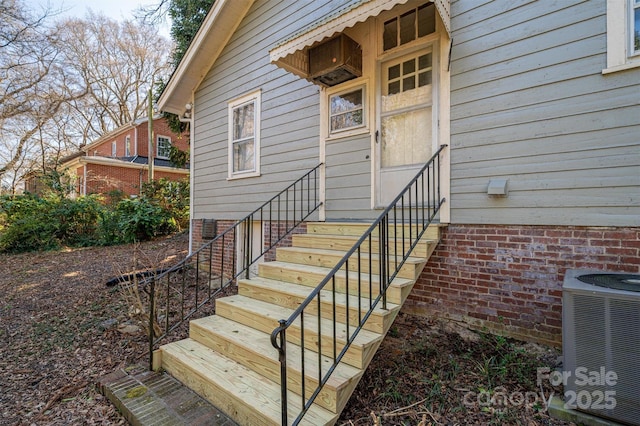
x=118, y=161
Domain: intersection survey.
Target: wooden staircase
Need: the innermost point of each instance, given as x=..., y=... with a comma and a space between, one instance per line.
x=229, y=358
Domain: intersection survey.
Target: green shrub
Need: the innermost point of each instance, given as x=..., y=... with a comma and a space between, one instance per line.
x=172, y=197
x=29, y=222
x=78, y=220
x=135, y=220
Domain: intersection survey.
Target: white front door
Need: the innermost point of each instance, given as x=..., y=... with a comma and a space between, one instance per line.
x=405, y=137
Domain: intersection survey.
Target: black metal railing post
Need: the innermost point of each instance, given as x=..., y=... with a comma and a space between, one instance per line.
x=152, y=313
x=279, y=341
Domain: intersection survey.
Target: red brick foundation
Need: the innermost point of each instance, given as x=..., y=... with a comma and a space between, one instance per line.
x=227, y=255
x=222, y=253
x=274, y=232
x=508, y=279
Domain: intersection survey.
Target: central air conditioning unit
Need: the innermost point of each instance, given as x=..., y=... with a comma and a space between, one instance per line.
x=335, y=61
x=601, y=343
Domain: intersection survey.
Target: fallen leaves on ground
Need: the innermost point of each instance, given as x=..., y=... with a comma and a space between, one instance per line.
x=62, y=328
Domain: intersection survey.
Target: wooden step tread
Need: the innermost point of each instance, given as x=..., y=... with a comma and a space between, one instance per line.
x=255, y=340
x=254, y=350
x=328, y=258
x=330, y=252
x=277, y=313
x=359, y=228
x=323, y=272
x=346, y=242
x=292, y=295
x=264, y=316
x=311, y=276
x=325, y=295
x=243, y=394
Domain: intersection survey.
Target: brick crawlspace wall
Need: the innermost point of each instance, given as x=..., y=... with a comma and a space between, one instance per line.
x=223, y=259
x=222, y=251
x=508, y=279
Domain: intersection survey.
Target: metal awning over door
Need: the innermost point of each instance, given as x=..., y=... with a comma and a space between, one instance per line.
x=292, y=55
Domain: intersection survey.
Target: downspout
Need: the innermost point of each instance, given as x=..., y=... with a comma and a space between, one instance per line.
x=189, y=118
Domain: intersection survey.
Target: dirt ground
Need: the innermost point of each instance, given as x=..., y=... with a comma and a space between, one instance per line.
x=62, y=328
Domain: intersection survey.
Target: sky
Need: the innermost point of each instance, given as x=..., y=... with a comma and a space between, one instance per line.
x=116, y=9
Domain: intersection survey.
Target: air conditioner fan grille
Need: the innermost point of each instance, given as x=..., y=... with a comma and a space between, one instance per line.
x=626, y=282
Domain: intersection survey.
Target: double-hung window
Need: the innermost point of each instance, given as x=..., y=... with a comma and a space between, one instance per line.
x=114, y=148
x=127, y=146
x=164, y=147
x=244, y=136
x=623, y=35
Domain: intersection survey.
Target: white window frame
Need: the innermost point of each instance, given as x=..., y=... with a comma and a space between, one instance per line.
x=633, y=6
x=353, y=130
x=620, y=48
x=127, y=146
x=166, y=157
x=255, y=98
x=114, y=149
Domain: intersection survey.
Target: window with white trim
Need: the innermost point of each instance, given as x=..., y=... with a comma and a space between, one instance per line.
x=127, y=146
x=623, y=35
x=114, y=148
x=244, y=136
x=346, y=110
x=164, y=147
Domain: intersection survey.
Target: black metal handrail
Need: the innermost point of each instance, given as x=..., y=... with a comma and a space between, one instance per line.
x=401, y=224
x=177, y=293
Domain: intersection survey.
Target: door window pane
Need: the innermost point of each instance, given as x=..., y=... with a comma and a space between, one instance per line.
x=406, y=138
x=424, y=78
x=394, y=87
x=424, y=61
x=409, y=67
x=408, y=83
x=394, y=72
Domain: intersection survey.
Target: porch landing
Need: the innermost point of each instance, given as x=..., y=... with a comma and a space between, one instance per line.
x=148, y=398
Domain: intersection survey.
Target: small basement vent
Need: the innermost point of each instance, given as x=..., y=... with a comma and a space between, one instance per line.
x=601, y=343
x=209, y=229
x=335, y=61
